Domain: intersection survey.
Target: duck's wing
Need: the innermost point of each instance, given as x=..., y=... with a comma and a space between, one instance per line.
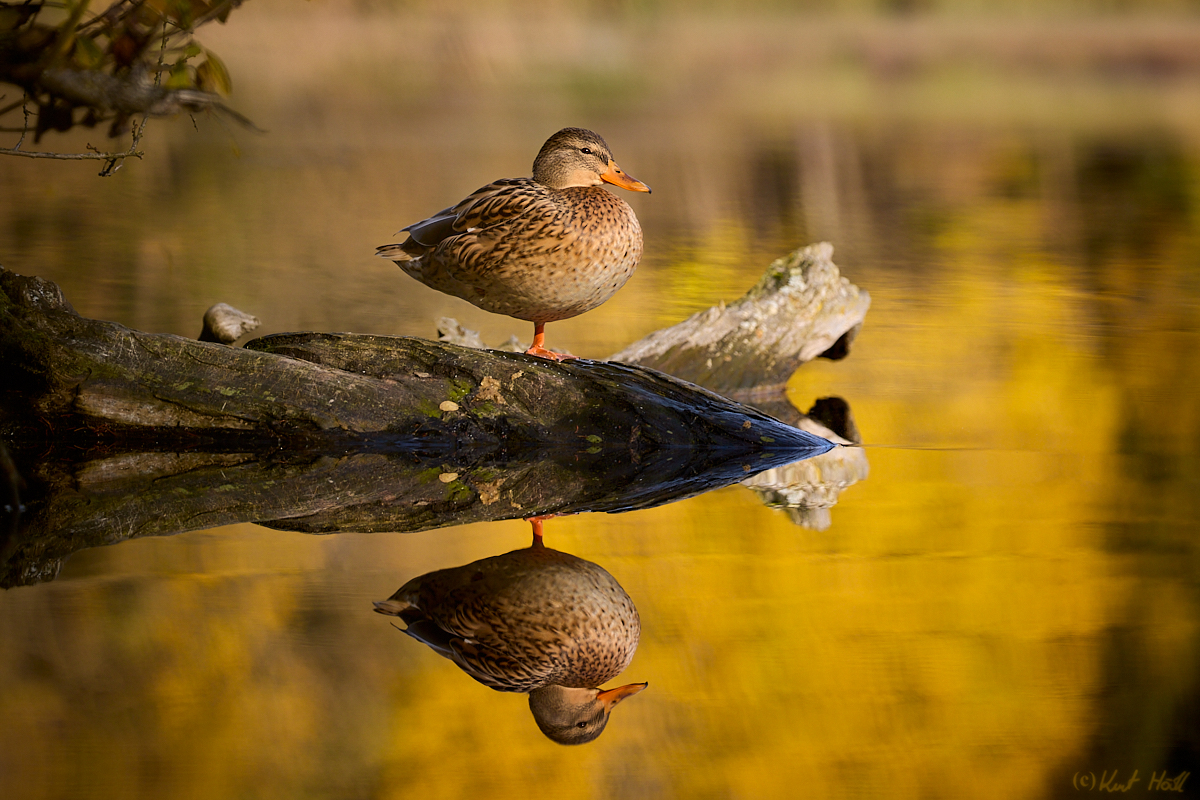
x=496, y=645
x=495, y=204
x=495, y=668
x=427, y=632
x=490, y=666
x=499, y=203
x=430, y=232
x=417, y=623
x=475, y=646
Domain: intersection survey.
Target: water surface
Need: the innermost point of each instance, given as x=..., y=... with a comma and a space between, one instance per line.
x=1006, y=606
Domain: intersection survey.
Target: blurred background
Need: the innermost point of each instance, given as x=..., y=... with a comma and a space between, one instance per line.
x=1009, y=601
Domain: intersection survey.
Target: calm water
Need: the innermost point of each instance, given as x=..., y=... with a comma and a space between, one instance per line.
x=1007, y=606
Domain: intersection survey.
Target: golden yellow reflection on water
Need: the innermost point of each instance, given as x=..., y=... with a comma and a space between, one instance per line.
x=880, y=661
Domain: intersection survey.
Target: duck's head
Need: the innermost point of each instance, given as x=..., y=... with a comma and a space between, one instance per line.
x=576, y=716
x=578, y=157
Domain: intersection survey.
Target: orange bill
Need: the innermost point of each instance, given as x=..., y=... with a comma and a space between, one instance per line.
x=610, y=697
x=616, y=177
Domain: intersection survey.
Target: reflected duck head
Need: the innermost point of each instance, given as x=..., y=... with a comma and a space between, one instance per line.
x=568, y=715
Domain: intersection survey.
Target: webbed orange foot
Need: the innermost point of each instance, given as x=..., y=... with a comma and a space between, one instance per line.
x=538, y=349
x=542, y=352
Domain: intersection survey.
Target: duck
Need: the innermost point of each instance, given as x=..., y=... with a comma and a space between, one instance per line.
x=540, y=249
x=537, y=621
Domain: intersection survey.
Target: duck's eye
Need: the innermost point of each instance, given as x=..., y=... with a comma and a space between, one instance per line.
x=581, y=725
x=587, y=151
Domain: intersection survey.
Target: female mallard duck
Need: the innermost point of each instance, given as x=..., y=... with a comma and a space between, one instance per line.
x=540, y=249
x=533, y=620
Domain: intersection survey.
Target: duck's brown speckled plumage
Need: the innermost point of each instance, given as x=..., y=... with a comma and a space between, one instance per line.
x=540, y=249
x=524, y=620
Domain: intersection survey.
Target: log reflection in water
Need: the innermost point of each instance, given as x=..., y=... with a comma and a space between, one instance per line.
x=808, y=489
x=87, y=498
x=536, y=621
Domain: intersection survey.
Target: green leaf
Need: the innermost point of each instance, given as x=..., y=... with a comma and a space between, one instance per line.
x=181, y=77
x=213, y=76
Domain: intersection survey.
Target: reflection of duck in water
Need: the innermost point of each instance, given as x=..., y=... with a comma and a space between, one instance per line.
x=533, y=620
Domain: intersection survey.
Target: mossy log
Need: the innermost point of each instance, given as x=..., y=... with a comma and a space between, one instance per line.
x=70, y=378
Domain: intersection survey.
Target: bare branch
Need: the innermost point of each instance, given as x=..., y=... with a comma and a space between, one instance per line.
x=71, y=156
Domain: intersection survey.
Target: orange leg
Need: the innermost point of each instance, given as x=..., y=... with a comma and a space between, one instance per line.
x=536, y=522
x=538, y=347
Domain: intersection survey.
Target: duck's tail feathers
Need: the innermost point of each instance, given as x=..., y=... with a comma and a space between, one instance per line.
x=393, y=608
x=395, y=252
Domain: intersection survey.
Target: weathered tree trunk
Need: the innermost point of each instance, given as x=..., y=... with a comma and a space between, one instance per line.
x=105, y=379
x=800, y=309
